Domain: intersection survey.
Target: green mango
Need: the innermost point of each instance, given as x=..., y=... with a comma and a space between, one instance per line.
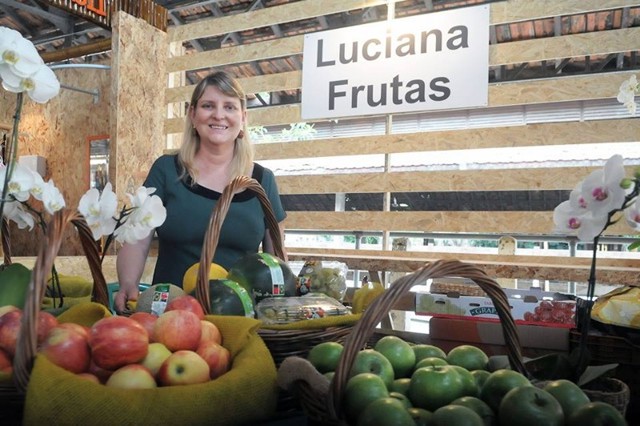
x=14, y=285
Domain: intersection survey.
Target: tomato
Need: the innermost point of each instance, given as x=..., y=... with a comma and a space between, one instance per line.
x=530, y=406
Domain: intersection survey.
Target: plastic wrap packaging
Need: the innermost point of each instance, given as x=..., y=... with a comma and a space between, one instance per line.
x=327, y=277
x=284, y=310
x=619, y=307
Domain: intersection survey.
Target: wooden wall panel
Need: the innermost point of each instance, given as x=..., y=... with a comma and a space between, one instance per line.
x=498, y=222
x=436, y=181
x=601, y=131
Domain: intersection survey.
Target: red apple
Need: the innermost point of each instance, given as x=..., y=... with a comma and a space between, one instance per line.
x=178, y=330
x=183, y=368
x=132, y=376
x=76, y=327
x=101, y=373
x=216, y=356
x=9, y=330
x=186, y=302
x=67, y=349
x=46, y=322
x=89, y=376
x=7, y=308
x=157, y=354
x=6, y=365
x=147, y=319
x=210, y=332
x=117, y=341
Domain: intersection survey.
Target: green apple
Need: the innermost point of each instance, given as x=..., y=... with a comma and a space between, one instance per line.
x=430, y=361
x=372, y=361
x=325, y=356
x=479, y=406
x=400, y=385
x=468, y=356
x=385, y=411
x=470, y=385
x=480, y=376
x=530, y=406
x=456, y=415
x=402, y=398
x=360, y=391
x=421, y=417
x=596, y=413
x=568, y=394
x=423, y=350
x=434, y=387
x=498, y=384
x=399, y=353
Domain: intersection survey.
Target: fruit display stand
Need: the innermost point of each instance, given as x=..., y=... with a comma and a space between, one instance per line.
x=322, y=399
x=282, y=340
x=51, y=395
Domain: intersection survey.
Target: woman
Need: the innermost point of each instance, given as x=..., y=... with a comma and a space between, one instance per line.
x=215, y=149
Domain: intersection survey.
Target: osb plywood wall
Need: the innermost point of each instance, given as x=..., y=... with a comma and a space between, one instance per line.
x=137, y=91
x=526, y=92
x=58, y=131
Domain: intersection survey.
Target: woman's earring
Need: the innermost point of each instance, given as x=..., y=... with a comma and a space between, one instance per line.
x=241, y=134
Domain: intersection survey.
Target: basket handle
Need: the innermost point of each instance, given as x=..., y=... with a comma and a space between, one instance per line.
x=372, y=316
x=212, y=235
x=26, y=347
x=6, y=242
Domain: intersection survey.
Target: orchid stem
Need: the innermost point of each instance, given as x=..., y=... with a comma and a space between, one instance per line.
x=10, y=152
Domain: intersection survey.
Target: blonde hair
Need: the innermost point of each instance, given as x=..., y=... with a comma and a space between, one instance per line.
x=242, y=162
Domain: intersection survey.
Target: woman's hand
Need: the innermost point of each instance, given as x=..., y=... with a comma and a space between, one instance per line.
x=124, y=295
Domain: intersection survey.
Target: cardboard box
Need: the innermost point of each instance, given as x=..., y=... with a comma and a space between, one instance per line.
x=535, y=340
x=532, y=307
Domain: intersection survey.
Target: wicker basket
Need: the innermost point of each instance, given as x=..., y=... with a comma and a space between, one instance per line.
x=281, y=342
x=12, y=394
x=323, y=404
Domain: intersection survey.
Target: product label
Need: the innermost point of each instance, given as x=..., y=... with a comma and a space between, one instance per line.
x=160, y=299
x=277, y=278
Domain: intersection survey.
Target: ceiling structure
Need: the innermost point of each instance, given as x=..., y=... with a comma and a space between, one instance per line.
x=53, y=30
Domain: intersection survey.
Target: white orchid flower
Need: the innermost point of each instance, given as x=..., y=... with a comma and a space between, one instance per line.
x=38, y=188
x=580, y=222
x=601, y=189
x=40, y=86
x=52, y=198
x=22, y=181
x=632, y=215
x=16, y=212
x=627, y=92
x=148, y=214
x=99, y=210
x=18, y=54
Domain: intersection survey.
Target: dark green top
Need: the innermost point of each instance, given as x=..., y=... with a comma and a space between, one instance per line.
x=189, y=209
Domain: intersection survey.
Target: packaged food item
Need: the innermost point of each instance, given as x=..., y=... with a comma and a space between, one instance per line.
x=284, y=310
x=328, y=277
x=619, y=307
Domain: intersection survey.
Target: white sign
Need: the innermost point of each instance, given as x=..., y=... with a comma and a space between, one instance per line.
x=428, y=62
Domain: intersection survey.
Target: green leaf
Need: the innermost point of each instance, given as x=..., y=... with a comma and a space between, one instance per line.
x=634, y=245
x=14, y=285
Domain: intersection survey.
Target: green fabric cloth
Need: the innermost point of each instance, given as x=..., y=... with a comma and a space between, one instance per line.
x=75, y=289
x=86, y=313
x=189, y=209
x=244, y=395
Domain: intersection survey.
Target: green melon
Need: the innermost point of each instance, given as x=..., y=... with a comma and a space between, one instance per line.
x=14, y=284
x=155, y=298
x=229, y=298
x=263, y=275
